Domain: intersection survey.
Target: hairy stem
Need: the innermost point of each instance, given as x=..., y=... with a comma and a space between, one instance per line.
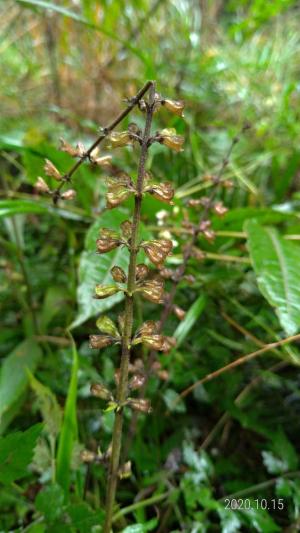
x=127, y=333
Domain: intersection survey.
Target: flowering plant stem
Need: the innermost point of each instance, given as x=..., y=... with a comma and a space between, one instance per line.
x=127, y=333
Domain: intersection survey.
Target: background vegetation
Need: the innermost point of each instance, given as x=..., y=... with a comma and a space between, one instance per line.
x=65, y=67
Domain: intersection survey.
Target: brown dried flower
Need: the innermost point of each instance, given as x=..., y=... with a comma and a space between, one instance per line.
x=100, y=391
x=51, y=170
x=119, y=189
x=109, y=240
x=41, y=185
x=118, y=274
x=70, y=194
x=169, y=138
x=157, y=250
x=152, y=290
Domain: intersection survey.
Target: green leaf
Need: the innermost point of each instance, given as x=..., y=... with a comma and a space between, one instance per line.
x=94, y=269
x=259, y=519
x=9, y=208
x=48, y=405
x=141, y=528
x=173, y=401
x=276, y=264
x=50, y=502
x=14, y=378
x=16, y=452
x=69, y=432
x=185, y=326
x=84, y=518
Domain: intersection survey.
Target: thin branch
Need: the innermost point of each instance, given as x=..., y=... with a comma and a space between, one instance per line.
x=240, y=361
x=139, y=505
x=105, y=131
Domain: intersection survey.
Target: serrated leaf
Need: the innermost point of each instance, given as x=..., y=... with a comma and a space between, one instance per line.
x=16, y=452
x=14, y=378
x=276, y=264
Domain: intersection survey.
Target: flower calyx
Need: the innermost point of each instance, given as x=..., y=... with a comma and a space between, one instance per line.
x=157, y=250
x=170, y=138
x=105, y=291
x=119, y=188
x=108, y=240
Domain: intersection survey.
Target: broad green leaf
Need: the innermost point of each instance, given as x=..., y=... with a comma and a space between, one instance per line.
x=16, y=452
x=48, y=405
x=185, y=326
x=276, y=264
x=95, y=268
x=69, y=432
x=14, y=378
x=50, y=502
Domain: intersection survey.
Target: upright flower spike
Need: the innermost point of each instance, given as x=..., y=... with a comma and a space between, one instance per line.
x=118, y=190
x=157, y=250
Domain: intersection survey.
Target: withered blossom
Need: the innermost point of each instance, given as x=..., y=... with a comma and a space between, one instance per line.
x=104, y=291
x=161, y=191
x=100, y=391
x=126, y=228
x=88, y=456
x=179, y=312
x=69, y=149
x=41, y=185
x=175, y=106
x=166, y=273
x=220, y=209
x=118, y=274
x=169, y=138
x=140, y=404
x=157, y=250
x=70, y=194
x=141, y=272
x=108, y=240
x=152, y=290
x=124, y=471
x=137, y=381
x=97, y=342
x=52, y=171
x=118, y=139
x=119, y=188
